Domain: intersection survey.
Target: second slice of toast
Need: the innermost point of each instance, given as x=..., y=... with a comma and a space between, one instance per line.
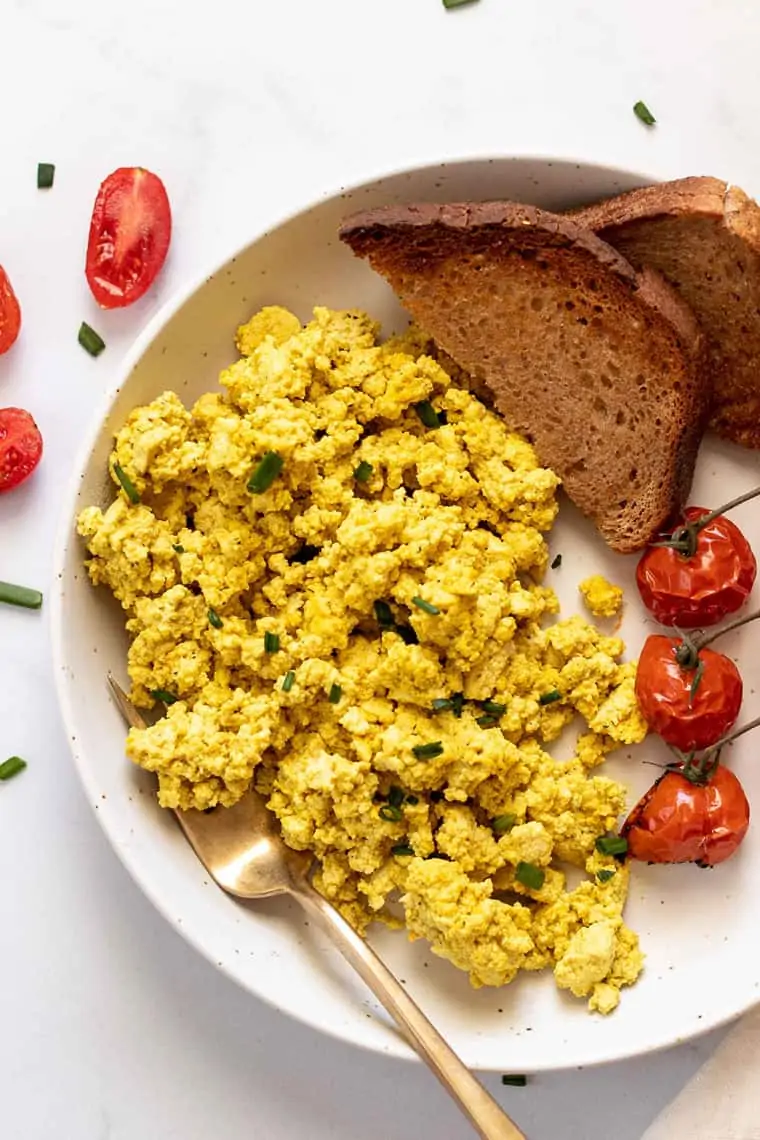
x=600, y=366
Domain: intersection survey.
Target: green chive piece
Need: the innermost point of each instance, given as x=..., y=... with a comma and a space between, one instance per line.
x=402, y=849
x=335, y=694
x=530, y=875
x=287, y=683
x=413, y=800
x=363, y=472
x=518, y=1082
x=164, y=696
x=428, y=751
x=266, y=473
x=214, y=618
x=90, y=341
x=178, y=549
x=426, y=607
x=457, y=704
x=442, y=704
x=20, y=596
x=487, y=721
x=495, y=708
x=427, y=414
x=271, y=642
x=384, y=615
x=641, y=111
x=390, y=813
x=503, y=823
x=605, y=875
x=557, y=562
x=127, y=485
x=396, y=796
x=45, y=175
x=550, y=697
x=611, y=845
x=407, y=635
x=11, y=767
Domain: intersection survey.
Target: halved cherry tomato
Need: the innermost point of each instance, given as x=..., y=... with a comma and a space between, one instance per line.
x=678, y=821
x=10, y=313
x=701, y=589
x=690, y=708
x=20, y=447
x=130, y=232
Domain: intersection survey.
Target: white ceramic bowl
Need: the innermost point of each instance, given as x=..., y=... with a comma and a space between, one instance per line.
x=700, y=930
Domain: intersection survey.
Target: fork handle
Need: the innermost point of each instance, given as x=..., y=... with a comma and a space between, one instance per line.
x=488, y=1119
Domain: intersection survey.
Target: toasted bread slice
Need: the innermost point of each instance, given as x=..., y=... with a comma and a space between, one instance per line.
x=704, y=236
x=600, y=366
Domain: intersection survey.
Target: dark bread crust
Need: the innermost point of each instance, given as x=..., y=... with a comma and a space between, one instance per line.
x=704, y=235
x=545, y=313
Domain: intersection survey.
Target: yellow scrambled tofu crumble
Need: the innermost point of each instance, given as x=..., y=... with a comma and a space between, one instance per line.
x=602, y=598
x=333, y=579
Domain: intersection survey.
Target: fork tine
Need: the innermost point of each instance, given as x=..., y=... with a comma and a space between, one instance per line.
x=124, y=705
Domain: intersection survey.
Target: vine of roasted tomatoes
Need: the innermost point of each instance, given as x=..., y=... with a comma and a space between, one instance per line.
x=10, y=313
x=130, y=231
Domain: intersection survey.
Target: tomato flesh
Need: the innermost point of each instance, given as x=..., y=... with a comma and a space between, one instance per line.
x=20, y=447
x=688, y=721
x=10, y=313
x=677, y=821
x=130, y=231
x=701, y=590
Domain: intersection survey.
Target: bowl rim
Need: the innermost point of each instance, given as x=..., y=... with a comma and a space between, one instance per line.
x=395, y=1046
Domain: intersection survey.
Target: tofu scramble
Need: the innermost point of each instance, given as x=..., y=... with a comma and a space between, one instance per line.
x=332, y=577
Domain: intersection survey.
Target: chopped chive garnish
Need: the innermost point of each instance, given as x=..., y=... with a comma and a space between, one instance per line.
x=214, y=618
x=384, y=614
x=90, y=340
x=287, y=683
x=426, y=607
x=271, y=642
x=390, y=813
x=402, y=849
x=127, y=485
x=530, y=875
x=396, y=796
x=442, y=704
x=164, y=696
x=556, y=562
x=605, y=875
x=550, y=697
x=495, y=708
x=266, y=473
x=457, y=704
x=487, y=721
x=413, y=800
x=178, y=549
x=407, y=635
x=45, y=175
x=504, y=823
x=363, y=472
x=11, y=767
x=518, y=1081
x=611, y=845
x=335, y=694
x=20, y=596
x=304, y=554
x=641, y=111
x=428, y=751
x=427, y=414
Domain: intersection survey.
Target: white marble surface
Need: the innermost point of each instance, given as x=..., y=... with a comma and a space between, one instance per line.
x=110, y=1026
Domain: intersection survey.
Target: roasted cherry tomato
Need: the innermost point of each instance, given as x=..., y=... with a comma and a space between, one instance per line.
x=130, y=231
x=20, y=447
x=678, y=821
x=690, y=707
x=702, y=588
x=10, y=313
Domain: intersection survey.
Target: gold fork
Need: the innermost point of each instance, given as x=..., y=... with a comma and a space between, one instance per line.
x=242, y=849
